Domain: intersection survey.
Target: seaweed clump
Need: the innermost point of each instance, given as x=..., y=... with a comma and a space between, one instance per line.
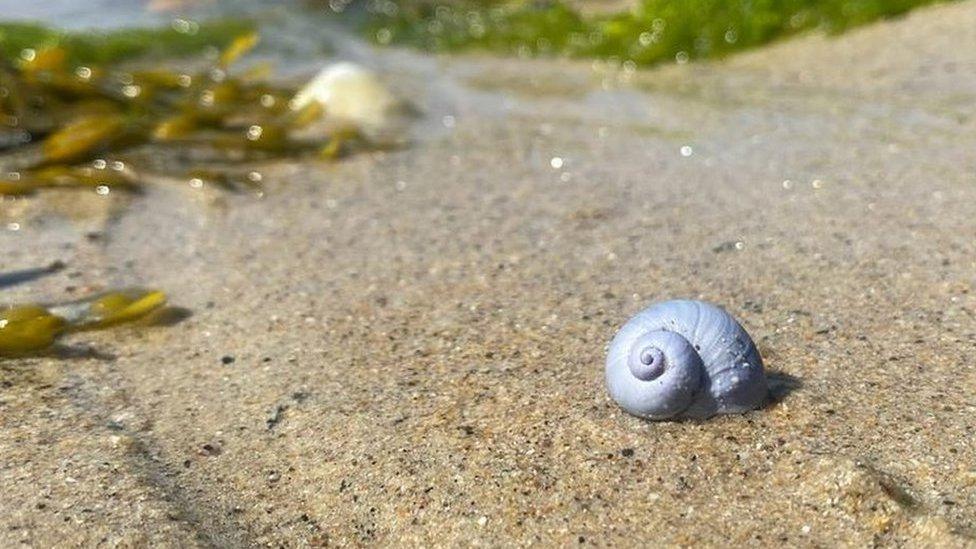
x=68, y=122
x=29, y=329
x=649, y=32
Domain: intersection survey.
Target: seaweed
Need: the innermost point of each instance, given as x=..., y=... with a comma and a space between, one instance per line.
x=652, y=31
x=29, y=329
x=182, y=38
x=62, y=117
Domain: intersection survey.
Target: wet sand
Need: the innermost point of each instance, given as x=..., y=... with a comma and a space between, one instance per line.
x=406, y=348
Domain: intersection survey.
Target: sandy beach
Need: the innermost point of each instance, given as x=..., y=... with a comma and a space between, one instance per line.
x=406, y=348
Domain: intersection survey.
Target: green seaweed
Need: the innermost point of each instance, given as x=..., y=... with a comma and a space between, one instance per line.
x=29, y=329
x=653, y=31
x=104, y=47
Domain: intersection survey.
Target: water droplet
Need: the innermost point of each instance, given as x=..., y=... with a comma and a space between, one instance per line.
x=13, y=226
x=556, y=162
x=99, y=164
x=181, y=26
x=254, y=132
x=196, y=183
x=102, y=190
x=131, y=91
x=686, y=151
x=449, y=121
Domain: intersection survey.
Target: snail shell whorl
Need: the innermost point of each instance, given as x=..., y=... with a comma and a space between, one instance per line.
x=684, y=359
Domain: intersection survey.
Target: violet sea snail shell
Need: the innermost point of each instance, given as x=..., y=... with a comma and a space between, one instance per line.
x=684, y=359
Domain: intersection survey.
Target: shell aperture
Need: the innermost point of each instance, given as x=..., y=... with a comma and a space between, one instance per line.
x=684, y=359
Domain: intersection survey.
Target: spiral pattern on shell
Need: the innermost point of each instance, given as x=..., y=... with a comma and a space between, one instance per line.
x=684, y=359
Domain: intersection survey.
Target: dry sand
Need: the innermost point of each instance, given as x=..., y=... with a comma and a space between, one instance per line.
x=418, y=336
